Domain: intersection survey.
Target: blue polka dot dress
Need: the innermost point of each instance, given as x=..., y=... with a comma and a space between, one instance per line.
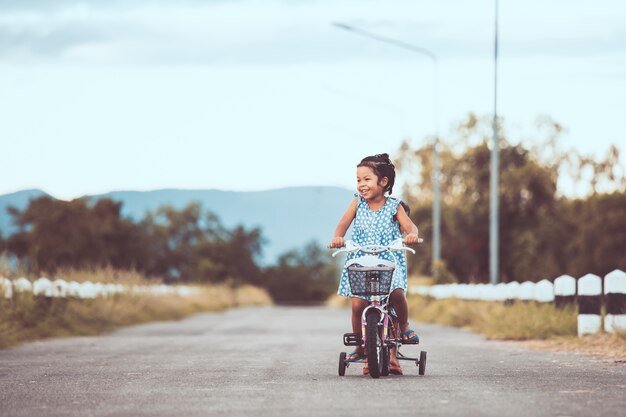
x=376, y=228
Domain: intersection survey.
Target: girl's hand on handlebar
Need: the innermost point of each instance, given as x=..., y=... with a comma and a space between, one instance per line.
x=411, y=239
x=337, y=242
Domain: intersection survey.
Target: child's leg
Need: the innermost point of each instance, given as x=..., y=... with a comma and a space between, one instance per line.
x=398, y=300
x=401, y=307
x=358, y=305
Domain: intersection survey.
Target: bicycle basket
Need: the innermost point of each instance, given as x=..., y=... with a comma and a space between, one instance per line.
x=370, y=280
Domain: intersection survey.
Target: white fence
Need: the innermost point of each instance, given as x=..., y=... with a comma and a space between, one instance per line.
x=60, y=288
x=588, y=291
x=542, y=291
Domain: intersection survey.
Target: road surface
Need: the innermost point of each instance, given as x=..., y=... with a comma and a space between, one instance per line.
x=282, y=361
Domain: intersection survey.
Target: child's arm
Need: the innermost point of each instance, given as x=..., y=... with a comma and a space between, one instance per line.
x=343, y=225
x=407, y=227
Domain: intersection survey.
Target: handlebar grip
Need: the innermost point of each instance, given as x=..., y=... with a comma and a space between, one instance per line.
x=340, y=250
x=419, y=240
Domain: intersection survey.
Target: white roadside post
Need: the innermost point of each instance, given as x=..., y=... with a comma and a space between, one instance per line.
x=87, y=290
x=481, y=291
x=615, y=290
x=490, y=293
x=22, y=285
x=589, y=304
x=422, y=290
x=501, y=292
x=564, y=291
x=454, y=290
x=73, y=289
x=512, y=292
x=43, y=286
x=434, y=291
x=6, y=288
x=463, y=291
x=99, y=289
x=59, y=288
x=527, y=291
x=544, y=291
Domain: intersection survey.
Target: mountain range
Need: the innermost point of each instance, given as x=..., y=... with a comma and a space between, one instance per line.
x=288, y=217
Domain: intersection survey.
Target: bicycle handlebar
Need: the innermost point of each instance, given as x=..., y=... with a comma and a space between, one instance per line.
x=396, y=245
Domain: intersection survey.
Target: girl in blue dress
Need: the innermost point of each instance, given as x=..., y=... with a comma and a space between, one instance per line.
x=378, y=220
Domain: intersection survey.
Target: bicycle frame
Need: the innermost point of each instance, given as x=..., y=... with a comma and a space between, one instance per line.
x=378, y=303
x=385, y=333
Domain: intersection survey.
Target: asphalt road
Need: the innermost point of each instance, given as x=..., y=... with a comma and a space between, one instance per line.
x=283, y=362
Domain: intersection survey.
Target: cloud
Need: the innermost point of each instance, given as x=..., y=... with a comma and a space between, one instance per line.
x=49, y=43
x=280, y=32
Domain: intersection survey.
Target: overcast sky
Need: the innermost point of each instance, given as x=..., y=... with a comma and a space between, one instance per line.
x=250, y=95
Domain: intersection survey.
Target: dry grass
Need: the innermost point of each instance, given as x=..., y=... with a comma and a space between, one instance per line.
x=29, y=318
x=519, y=321
x=104, y=275
x=538, y=326
x=248, y=295
x=338, y=301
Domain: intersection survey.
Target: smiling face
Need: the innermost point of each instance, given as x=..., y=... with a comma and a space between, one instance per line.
x=369, y=185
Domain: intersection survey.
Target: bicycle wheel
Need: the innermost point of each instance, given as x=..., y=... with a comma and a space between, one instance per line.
x=385, y=360
x=373, y=344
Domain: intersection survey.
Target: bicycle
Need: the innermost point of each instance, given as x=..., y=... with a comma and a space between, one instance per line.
x=371, y=276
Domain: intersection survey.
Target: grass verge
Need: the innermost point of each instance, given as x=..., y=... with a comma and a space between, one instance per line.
x=540, y=326
x=519, y=321
x=26, y=318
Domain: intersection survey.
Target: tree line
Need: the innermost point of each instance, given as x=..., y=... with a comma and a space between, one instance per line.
x=543, y=234
x=187, y=245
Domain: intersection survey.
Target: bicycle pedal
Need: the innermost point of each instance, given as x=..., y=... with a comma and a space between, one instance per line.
x=351, y=339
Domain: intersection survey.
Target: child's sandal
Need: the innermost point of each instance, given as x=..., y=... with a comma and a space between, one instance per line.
x=355, y=356
x=410, y=339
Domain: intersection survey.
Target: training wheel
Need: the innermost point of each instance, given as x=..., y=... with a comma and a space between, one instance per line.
x=422, y=363
x=342, y=363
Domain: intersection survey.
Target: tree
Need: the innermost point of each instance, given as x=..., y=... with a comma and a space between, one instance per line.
x=597, y=234
x=193, y=245
x=304, y=275
x=57, y=234
x=186, y=244
x=535, y=221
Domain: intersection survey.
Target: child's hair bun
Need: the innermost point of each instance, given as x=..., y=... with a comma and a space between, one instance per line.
x=384, y=157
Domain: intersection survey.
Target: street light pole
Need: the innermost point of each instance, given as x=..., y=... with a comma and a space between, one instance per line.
x=436, y=160
x=495, y=166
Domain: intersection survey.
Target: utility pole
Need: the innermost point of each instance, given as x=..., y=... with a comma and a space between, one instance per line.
x=495, y=167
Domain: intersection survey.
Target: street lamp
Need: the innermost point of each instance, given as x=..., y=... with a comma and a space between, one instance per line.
x=436, y=163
